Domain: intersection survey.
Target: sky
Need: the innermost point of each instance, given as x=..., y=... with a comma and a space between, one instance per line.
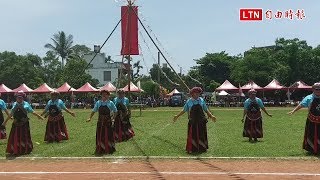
x=184, y=30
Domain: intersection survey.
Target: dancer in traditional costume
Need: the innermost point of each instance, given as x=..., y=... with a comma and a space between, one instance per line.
x=197, y=140
x=311, y=142
x=19, y=141
x=56, y=129
x=252, y=117
x=122, y=126
x=3, y=107
x=105, y=143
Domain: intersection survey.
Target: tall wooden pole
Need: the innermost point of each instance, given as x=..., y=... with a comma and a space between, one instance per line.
x=129, y=38
x=159, y=68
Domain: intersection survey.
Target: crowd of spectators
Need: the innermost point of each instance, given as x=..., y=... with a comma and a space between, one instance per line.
x=151, y=101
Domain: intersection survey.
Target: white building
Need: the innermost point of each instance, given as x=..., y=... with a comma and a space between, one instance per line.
x=103, y=68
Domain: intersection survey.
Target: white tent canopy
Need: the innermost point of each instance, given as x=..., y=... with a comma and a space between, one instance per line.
x=173, y=92
x=223, y=93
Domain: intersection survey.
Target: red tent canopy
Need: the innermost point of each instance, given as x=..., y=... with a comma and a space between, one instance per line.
x=87, y=88
x=109, y=87
x=274, y=85
x=251, y=85
x=65, y=88
x=226, y=86
x=300, y=85
x=4, y=89
x=23, y=87
x=44, y=88
x=133, y=88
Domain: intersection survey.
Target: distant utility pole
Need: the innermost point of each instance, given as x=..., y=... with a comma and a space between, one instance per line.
x=159, y=67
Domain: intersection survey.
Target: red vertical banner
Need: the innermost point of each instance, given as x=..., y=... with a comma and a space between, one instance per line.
x=129, y=30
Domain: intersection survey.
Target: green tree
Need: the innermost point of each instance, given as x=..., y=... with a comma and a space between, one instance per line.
x=294, y=55
x=61, y=46
x=77, y=51
x=256, y=65
x=168, y=79
x=74, y=73
x=150, y=88
x=310, y=68
x=212, y=86
x=213, y=68
x=18, y=69
x=288, y=60
x=52, y=69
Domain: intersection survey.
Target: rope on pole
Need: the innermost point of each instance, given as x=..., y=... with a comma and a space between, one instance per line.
x=160, y=51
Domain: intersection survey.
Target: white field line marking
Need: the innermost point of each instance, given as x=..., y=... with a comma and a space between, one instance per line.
x=171, y=173
x=165, y=157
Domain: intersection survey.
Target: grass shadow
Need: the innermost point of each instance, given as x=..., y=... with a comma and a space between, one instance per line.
x=310, y=154
x=10, y=157
x=156, y=173
x=216, y=168
x=160, y=139
x=252, y=142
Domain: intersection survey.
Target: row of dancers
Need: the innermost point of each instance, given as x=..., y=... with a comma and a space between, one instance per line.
x=114, y=121
x=197, y=141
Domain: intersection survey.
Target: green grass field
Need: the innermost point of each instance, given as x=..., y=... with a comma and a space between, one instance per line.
x=156, y=135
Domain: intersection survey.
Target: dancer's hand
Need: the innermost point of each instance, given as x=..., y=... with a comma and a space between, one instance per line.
x=270, y=115
x=89, y=119
x=213, y=118
x=5, y=122
x=290, y=113
x=175, y=118
x=73, y=114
